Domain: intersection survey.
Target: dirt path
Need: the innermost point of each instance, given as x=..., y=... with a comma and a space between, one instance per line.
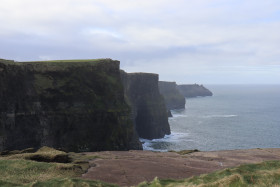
x=127, y=168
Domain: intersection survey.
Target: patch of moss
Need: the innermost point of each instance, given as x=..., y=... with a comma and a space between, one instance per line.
x=44, y=154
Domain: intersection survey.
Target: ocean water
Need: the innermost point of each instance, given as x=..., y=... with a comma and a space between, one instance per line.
x=235, y=117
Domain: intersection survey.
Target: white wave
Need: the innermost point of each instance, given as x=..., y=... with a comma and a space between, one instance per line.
x=220, y=116
x=178, y=115
x=167, y=138
x=147, y=145
x=173, y=137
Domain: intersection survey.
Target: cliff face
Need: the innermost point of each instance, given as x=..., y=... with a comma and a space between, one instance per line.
x=172, y=97
x=73, y=105
x=194, y=90
x=148, y=107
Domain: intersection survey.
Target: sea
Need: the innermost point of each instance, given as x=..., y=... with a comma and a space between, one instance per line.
x=235, y=117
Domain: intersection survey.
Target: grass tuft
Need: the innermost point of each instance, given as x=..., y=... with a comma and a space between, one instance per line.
x=44, y=154
x=43, y=168
x=262, y=174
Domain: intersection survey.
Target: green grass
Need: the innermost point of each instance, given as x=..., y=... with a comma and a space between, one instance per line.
x=19, y=169
x=263, y=174
x=6, y=61
x=25, y=171
x=56, y=62
x=73, y=60
x=44, y=154
x=64, y=63
x=57, y=65
x=66, y=182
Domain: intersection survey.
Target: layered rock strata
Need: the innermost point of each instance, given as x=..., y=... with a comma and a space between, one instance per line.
x=72, y=105
x=148, y=107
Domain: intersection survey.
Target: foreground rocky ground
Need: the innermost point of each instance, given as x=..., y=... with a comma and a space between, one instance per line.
x=127, y=168
x=49, y=167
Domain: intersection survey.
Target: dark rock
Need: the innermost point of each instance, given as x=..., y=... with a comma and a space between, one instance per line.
x=14, y=152
x=194, y=90
x=71, y=105
x=148, y=107
x=169, y=114
x=60, y=158
x=172, y=97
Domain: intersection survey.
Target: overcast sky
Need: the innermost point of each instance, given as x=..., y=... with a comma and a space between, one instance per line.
x=187, y=41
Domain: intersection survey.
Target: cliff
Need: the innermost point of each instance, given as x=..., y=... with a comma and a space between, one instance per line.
x=74, y=105
x=194, y=90
x=172, y=97
x=148, y=107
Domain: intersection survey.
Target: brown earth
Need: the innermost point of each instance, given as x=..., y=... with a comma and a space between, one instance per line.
x=127, y=168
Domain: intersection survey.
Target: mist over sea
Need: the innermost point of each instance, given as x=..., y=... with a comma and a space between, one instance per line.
x=235, y=117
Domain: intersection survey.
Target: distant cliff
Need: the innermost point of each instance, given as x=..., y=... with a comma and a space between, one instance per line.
x=194, y=90
x=172, y=97
x=73, y=105
x=148, y=107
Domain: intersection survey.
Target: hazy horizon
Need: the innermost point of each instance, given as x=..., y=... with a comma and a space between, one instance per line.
x=196, y=41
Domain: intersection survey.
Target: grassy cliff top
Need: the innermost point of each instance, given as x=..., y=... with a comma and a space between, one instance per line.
x=59, y=62
x=70, y=62
x=4, y=61
x=54, y=65
x=73, y=60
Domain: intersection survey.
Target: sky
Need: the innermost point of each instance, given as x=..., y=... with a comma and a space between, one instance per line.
x=187, y=41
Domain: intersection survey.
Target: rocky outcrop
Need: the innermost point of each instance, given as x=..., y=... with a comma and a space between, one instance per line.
x=71, y=105
x=172, y=97
x=148, y=107
x=194, y=90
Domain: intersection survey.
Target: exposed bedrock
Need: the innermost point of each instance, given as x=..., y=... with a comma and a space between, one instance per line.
x=148, y=107
x=72, y=105
x=194, y=90
x=172, y=97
